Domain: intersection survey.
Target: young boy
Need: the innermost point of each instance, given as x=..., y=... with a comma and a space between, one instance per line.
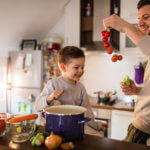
x=67, y=89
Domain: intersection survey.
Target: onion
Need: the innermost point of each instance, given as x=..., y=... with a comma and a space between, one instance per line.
x=53, y=141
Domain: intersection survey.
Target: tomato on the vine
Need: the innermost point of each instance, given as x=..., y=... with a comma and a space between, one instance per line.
x=120, y=57
x=114, y=58
x=106, y=44
x=109, y=51
x=104, y=39
x=107, y=34
x=103, y=33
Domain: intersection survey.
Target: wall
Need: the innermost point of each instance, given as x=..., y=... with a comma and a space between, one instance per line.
x=129, y=9
x=59, y=28
x=68, y=27
x=72, y=23
x=26, y=20
x=102, y=74
x=101, y=10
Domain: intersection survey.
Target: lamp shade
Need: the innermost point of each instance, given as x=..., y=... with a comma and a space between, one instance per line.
x=54, y=39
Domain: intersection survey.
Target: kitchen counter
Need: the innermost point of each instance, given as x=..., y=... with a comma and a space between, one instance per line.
x=118, y=106
x=89, y=142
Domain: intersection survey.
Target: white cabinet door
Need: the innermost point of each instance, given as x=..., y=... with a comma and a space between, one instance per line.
x=120, y=121
x=72, y=23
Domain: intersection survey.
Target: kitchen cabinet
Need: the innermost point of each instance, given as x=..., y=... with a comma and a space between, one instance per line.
x=118, y=121
x=86, y=29
x=91, y=26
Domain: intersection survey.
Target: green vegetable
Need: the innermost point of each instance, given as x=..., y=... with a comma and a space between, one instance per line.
x=126, y=80
x=19, y=129
x=37, y=140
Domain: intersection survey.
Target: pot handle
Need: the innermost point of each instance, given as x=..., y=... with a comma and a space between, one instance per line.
x=84, y=120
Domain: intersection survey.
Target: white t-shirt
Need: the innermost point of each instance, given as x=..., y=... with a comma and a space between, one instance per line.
x=142, y=108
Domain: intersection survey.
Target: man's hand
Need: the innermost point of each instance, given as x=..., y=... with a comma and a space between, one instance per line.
x=132, y=89
x=55, y=95
x=116, y=23
x=119, y=24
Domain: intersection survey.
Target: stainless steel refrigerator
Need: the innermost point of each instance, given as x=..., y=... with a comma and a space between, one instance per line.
x=25, y=73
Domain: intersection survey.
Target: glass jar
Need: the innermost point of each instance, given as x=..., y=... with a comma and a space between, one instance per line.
x=2, y=124
x=139, y=74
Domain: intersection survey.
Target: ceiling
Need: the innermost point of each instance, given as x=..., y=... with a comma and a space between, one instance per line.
x=20, y=19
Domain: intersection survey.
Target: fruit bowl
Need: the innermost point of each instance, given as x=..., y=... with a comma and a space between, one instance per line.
x=22, y=131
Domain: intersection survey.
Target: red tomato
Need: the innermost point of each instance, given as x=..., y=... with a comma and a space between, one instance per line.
x=104, y=39
x=109, y=51
x=120, y=57
x=107, y=34
x=103, y=33
x=114, y=58
x=106, y=44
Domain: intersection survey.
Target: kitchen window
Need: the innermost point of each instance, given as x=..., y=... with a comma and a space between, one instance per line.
x=125, y=42
x=128, y=42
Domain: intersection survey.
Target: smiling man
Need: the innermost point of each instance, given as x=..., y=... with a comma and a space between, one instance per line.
x=139, y=129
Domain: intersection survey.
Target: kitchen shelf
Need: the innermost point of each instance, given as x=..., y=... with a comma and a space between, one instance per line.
x=87, y=23
x=86, y=26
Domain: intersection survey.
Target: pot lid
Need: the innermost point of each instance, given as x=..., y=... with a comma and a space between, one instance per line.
x=65, y=109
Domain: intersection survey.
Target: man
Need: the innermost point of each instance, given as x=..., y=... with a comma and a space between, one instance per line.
x=139, y=130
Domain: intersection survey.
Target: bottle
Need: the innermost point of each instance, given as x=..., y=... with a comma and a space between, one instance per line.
x=88, y=9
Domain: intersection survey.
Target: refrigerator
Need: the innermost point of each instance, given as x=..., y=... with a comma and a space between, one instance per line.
x=27, y=75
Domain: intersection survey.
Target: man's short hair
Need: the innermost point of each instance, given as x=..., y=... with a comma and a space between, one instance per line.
x=142, y=3
x=69, y=52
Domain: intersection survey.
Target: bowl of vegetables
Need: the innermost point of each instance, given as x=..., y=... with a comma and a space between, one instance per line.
x=22, y=128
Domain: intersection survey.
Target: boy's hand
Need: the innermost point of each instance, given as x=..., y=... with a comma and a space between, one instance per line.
x=104, y=126
x=56, y=94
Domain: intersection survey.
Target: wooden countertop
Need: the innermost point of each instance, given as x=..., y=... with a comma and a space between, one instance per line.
x=89, y=142
x=118, y=106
